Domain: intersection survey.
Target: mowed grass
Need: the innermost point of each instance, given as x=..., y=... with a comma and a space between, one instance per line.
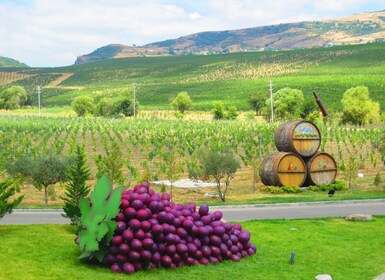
x=345, y=250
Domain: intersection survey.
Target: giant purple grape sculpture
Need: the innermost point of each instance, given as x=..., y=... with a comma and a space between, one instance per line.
x=149, y=231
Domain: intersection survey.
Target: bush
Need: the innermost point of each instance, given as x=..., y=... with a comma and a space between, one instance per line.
x=377, y=180
x=277, y=190
x=182, y=102
x=83, y=105
x=218, y=110
x=337, y=185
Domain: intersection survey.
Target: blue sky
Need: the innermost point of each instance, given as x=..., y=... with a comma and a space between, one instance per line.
x=55, y=32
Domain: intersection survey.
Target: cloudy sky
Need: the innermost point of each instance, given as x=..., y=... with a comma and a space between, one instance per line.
x=55, y=32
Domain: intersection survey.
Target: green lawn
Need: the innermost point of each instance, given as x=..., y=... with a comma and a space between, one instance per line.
x=345, y=250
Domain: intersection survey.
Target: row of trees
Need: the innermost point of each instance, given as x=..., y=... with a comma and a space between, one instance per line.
x=288, y=103
x=106, y=107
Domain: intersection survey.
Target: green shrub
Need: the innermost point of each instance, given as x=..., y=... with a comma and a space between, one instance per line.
x=291, y=189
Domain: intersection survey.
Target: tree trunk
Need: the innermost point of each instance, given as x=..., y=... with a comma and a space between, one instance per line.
x=45, y=196
x=221, y=195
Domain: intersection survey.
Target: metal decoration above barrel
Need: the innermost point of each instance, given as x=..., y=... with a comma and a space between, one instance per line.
x=300, y=137
x=298, y=162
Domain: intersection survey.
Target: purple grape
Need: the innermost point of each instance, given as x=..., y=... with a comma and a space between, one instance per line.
x=145, y=226
x=139, y=234
x=120, y=226
x=128, y=268
x=146, y=255
x=147, y=243
x=136, y=244
x=157, y=229
x=166, y=261
x=137, y=204
x=217, y=215
x=244, y=236
x=134, y=255
x=181, y=249
x=129, y=213
x=219, y=230
x=165, y=197
x=117, y=240
x=203, y=210
x=143, y=214
x=134, y=224
x=124, y=248
x=204, y=261
x=124, y=204
x=116, y=267
x=121, y=258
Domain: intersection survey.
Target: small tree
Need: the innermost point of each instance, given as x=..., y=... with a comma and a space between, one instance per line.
x=220, y=166
x=111, y=164
x=43, y=171
x=377, y=180
x=13, y=98
x=358, y=108
x=7, y=189
x=218, y=110
x=77, y=187
x=287, y=104
x=83, y=105
x=351, y=169
x=257, y=102
x=232, y=112
x=182, y=102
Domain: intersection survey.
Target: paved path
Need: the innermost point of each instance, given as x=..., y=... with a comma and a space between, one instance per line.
x=235, y=213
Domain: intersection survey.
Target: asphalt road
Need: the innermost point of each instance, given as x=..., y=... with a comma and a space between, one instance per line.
x=235, y=213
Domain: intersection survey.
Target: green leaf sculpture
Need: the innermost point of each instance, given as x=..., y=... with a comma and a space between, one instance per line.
x=97, y=223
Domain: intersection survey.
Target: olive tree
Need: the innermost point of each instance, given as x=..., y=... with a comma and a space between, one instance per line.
x=43, y=171
x=221, y=166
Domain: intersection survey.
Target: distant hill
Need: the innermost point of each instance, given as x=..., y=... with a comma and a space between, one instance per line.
x=9, y=62
x=355, y=29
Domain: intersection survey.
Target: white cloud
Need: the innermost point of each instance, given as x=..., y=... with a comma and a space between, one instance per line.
x=51, y=33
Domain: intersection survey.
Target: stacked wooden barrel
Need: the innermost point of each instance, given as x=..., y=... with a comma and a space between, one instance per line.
x=298, y=161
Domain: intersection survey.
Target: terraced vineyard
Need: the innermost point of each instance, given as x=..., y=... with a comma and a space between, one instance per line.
x=230, y=78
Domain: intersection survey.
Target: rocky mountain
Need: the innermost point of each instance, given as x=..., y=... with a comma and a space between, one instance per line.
x=355, y=29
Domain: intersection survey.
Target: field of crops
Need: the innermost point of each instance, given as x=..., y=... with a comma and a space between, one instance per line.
x=144, y=146
x=230, y=78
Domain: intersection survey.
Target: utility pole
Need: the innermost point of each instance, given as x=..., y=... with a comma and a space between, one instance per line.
x=271, y=101
x=38, y=97
x=133, y=89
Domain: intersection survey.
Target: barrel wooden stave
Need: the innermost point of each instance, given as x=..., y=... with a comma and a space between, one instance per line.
x=321, y=169
x=283, y=169
x=300, y=137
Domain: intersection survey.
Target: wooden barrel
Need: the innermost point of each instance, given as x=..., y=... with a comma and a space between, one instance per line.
x=321, y=169
x=282, y=169
x=300, y=137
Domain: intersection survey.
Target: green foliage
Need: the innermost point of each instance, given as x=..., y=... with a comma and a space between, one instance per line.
x=108, y=107
x=97, y=223
x=257, y=101
x=13, y=98
x=8, y=189
x=377, y=180
x=42, y=171
x=83, y=105
x=337, y=185
x=231, y=113
x=220, y=165
x=77, y=187
x=218, y=110
x=111, y=164
x=280, y=190
x=287, y=103
x=358, y=108
x=182, y=102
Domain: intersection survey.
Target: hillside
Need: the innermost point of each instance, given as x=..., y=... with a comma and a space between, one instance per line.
x=355, y=29
x=9, y=62
x=230, y=78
